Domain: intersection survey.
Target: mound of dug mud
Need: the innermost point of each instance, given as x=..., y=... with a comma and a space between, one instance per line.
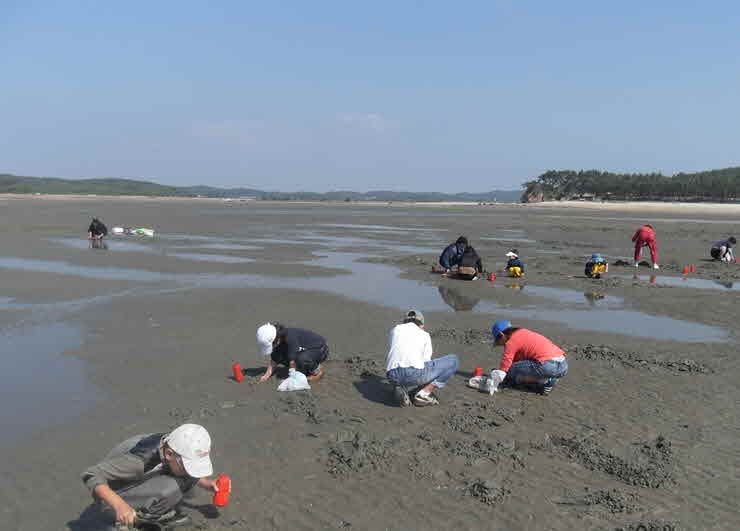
x=633, y=359
x=470, y=336
x=651, y=466
x=614, y=501
x=486, y=491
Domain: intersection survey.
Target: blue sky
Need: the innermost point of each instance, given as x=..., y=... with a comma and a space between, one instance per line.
x=327, y=95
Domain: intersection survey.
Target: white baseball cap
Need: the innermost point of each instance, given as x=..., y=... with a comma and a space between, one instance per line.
x=512, y=255
x=266, y=334
x=193, y=444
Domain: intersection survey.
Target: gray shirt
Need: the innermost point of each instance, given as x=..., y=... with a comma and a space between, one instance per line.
x=131, y=462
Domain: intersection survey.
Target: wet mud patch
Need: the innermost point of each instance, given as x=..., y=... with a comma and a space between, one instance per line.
x=486, y=491
x=477, y=416
x=651, y=465
x=606, y=281
x=352, y=452
x=635, y=360
x=470, y=336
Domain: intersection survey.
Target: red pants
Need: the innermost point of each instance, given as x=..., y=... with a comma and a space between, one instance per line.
x=639, y=244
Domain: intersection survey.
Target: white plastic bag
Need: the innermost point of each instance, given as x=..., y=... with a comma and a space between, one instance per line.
x=479, y=382
x=296, y=381
x=497, y=376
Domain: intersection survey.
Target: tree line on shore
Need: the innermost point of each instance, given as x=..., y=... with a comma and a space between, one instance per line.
x=714, y=185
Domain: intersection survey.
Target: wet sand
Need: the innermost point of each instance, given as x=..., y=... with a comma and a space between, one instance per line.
x=99, y=345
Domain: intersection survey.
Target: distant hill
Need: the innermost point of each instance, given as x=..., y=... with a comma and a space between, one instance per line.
x=13, y=184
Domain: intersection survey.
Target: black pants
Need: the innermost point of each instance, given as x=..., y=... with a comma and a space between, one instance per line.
x=308, y=361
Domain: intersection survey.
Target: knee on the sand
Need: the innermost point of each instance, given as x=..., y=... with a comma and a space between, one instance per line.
x=454, y=362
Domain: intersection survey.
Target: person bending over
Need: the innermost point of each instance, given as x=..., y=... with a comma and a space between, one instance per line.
x=470, y=264
x=97, y=230
x=529, y=358
x=514, y=265
x=722, y=250
x=298, y=349
x=410, y=365
x=452, y=254
x=596, y=266
x=645, y=237
x=144, y=478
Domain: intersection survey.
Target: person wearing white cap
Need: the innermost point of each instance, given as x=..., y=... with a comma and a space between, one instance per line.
x=410, y=364
x=299, y=349
x=144, y=478
x=514, y=266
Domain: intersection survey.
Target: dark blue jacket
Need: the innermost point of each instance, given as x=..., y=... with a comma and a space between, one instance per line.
x=515, y=262
x=451, y=255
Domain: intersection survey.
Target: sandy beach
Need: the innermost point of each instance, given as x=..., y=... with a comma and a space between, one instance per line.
x=97, y=346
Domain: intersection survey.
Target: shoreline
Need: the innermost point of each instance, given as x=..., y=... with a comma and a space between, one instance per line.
x=612, y=206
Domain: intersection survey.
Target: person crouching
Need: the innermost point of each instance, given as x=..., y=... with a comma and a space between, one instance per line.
x=470, y=264
x=144, y=478
x=722, y=250
x=410, y=364
x=452, y=254
x=514, y=265
x=529, y=358
x=299, y=349
x=596, y=266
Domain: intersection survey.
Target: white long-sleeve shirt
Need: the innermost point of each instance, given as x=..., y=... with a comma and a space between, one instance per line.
x=410, y=346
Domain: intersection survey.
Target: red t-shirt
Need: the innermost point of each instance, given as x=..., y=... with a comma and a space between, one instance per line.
x=644, y=234
x=527, y=345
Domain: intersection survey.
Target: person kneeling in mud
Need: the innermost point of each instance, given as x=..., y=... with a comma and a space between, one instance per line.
x=96, y=232
x=596, y=266
x=514, y=265
x=722, y=250
x=529, y=359
x=410, y=364
x=470, y=265
x=298, y=349
x=144, y=478
x=452, y=254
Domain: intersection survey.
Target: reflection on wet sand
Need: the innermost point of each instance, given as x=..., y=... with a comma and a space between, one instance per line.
x=593, y=297
x=456, y=300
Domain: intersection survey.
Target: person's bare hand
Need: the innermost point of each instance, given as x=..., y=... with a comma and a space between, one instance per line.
x=265, y=377
x=125, y=514
x=208, y=484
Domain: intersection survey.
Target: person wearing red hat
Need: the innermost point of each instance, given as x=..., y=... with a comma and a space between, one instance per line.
x=144, y=478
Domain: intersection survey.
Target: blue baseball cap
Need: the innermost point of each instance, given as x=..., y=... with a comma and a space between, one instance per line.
x=596, y=256
x=498, y=327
